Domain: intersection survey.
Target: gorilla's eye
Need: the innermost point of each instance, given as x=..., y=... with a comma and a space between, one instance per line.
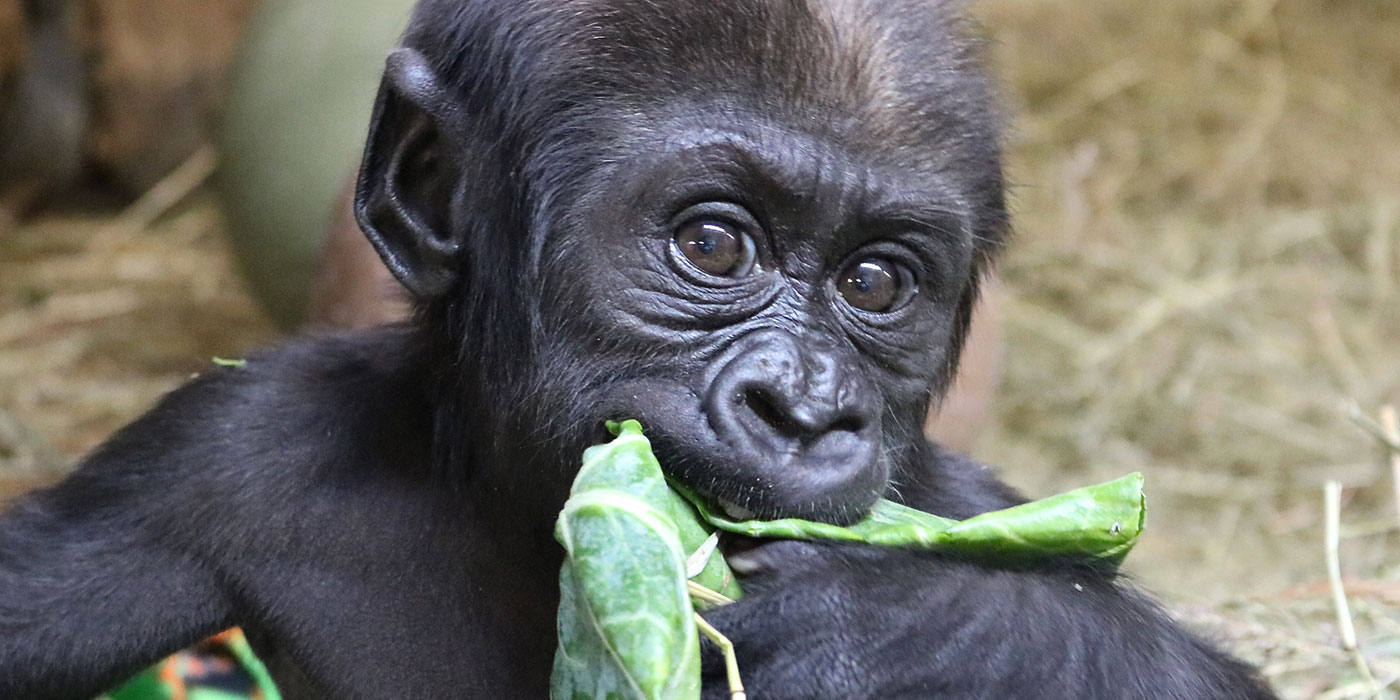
x=716, y=247
x=876, y=284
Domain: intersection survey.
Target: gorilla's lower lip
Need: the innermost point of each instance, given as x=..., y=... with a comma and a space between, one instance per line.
x=748, y=556
x=741, y=553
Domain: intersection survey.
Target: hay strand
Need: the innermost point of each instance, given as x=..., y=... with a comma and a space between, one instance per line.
x=1390, y=423
x=1332, y=498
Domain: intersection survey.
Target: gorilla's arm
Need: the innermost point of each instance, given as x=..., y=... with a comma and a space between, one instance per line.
x=859, y=622
x=292, y=497
x=96, y=577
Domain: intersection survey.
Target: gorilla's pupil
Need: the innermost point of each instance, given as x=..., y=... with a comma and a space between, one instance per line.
x=714, y=247
x=870, y=285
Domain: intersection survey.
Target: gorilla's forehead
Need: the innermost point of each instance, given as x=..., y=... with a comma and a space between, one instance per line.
x=888, y=71
x=896, y=73
x=794, y=166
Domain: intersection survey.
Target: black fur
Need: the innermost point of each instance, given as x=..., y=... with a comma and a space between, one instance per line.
x=376, y=510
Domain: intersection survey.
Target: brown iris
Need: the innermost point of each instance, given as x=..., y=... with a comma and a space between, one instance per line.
x=715, y=247
x=872, y=284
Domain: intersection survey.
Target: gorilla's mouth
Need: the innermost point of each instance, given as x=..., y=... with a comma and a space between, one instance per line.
x=742, y=553
x=749, y=556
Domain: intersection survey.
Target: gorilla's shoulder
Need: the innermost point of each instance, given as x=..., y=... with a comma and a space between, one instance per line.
x=327, y=361
x=310, y=402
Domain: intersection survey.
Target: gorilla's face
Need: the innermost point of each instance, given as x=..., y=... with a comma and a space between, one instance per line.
x=775, y=309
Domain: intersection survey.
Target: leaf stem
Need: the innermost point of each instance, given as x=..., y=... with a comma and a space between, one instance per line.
x=731, y=662
x=706, y=595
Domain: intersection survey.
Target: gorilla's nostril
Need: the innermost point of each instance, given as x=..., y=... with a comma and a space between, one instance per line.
x=846, y=423
x=771, y=410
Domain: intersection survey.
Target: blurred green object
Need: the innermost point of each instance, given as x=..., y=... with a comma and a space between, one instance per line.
x=298, y=107
x=148, y=686
x=178, y=677
x=145, y=686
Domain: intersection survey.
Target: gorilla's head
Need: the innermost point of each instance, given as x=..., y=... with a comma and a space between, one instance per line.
x=759, y=231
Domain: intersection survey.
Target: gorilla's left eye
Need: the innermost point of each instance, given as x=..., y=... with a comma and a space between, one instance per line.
x=876, y=284
x=716, y=247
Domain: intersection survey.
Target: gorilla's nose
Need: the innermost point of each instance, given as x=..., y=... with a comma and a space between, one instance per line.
x=797, y=397
x=802, y=416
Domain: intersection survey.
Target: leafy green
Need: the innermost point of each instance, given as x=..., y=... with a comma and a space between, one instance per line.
x=626, y=622
x=1101, y=521
x=626, y=626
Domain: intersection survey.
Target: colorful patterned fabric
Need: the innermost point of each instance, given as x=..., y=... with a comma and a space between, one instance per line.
x=222, y=668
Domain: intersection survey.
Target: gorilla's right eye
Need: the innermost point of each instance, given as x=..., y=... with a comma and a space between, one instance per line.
x=716, y=247
x=876, y=284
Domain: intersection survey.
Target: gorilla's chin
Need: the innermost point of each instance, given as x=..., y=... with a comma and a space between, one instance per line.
x=729, y=457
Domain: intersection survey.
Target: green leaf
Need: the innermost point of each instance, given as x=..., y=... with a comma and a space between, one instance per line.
x=626, y=624
x=1101, y=521
x=627, y=464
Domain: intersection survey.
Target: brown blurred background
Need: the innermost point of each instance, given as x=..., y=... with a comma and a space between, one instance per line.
x=1205, y=287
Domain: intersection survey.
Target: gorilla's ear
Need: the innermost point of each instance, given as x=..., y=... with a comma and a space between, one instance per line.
x=411, y=168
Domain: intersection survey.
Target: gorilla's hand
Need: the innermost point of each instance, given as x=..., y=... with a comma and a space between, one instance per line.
x=848, y=622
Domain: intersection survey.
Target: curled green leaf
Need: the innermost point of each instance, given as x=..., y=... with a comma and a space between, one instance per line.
x=1101, y=522
x=629, y=631
x=626, y=623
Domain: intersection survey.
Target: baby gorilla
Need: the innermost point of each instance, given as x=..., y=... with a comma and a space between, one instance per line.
x=757, y=226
